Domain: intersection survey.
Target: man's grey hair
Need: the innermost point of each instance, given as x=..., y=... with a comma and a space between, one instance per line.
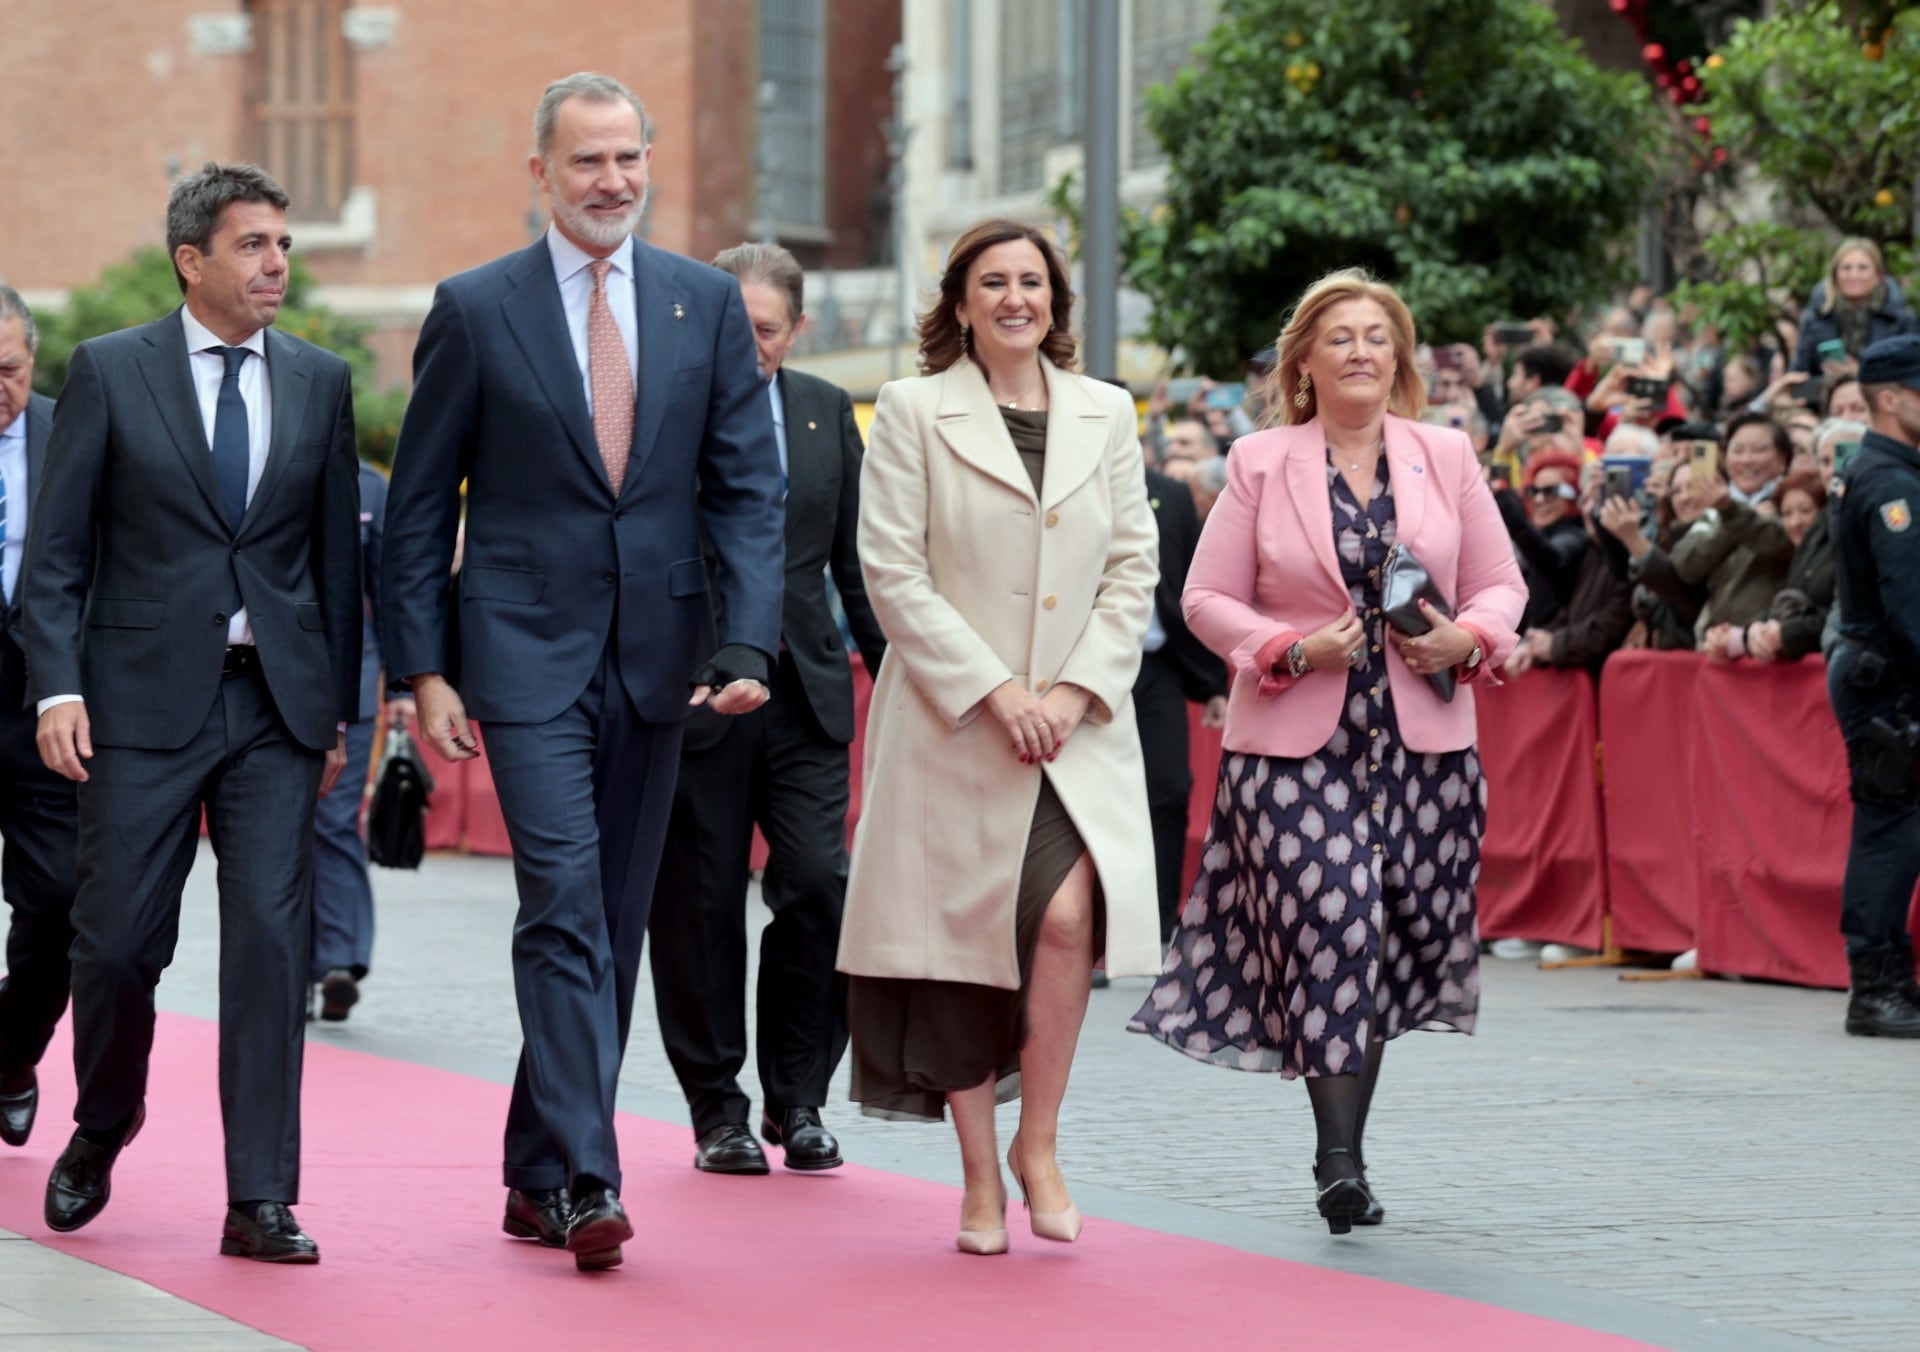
x=1825, y=432
x=12, y=307
x=768, y=265
x=1633, y=439
x=200, y=199
x=588, y=85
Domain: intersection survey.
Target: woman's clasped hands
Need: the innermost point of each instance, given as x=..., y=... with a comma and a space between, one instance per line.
x=1037, y=726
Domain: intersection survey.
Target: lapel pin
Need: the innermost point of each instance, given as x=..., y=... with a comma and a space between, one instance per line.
x=812, y=426
x=1419, y=469
x=679, y=312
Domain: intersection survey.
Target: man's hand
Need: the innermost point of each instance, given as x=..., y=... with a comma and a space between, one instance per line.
x=65, y=739
x=1214, y=715
x=336, y=762
x=443, y=718
x=735, y=697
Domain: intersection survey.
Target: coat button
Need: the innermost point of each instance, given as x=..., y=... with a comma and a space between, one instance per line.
x=620, y=514
x=1040, y=684
x=1053, y=519
x=607, y=576
x=1050, y=601
x=219, y=617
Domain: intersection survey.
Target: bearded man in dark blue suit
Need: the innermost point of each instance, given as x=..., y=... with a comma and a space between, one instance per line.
x=600, y=401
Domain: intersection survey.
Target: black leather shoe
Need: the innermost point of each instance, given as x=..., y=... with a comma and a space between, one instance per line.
x=339, y=993
x=82, y=1178
x=808, y=1145
x=541, y=1215
x=1342, y=1201
x=598, y=1228
x=266, y=1232
x=19, y=1101
x=729, y=1149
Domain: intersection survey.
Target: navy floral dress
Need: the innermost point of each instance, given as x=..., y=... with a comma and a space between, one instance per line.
x=1335, y=896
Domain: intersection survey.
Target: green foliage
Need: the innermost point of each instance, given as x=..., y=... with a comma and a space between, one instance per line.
x=143, y=288
x=1833, y=121
x=1463, y=150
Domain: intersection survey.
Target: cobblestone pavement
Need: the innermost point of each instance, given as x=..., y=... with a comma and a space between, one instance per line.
x=1704, y=1164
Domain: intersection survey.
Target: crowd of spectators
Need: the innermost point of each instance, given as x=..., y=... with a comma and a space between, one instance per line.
x=1660, y=491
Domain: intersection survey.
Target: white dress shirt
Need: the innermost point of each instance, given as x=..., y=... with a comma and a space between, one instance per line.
x=576, y=294
x=13, y=473
x=208, y=369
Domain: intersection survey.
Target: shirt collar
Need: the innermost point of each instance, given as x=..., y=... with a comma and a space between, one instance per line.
x=200, y=337
x=16, y=428
x=779, y=402
x=569, y=258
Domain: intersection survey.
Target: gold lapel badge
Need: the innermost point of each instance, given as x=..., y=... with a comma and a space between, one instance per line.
x=679, y=312
x=812, y=426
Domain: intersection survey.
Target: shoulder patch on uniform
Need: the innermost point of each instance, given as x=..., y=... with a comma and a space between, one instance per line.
x=1896, y=514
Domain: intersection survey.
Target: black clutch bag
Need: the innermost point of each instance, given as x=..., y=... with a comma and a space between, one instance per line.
x=1404, y=584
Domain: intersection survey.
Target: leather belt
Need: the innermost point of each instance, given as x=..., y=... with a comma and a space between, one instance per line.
x=240, y=658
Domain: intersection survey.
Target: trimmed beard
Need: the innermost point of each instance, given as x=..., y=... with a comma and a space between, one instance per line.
x=602, y=232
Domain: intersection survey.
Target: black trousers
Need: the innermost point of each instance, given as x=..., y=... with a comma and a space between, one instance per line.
x=139, y=830
x=776, y=768
x=1883, y=853
x=37, y=818
x=1160, y=710
x=585, y=796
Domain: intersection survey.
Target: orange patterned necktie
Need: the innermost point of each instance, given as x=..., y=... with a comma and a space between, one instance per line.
x=611, y=378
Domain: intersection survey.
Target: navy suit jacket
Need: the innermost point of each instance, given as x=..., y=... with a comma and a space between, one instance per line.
x=132, y=568
x=553, y=557
x=39, y=427
x=373, y=515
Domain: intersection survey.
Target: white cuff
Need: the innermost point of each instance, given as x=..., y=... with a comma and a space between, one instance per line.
x=52, y=700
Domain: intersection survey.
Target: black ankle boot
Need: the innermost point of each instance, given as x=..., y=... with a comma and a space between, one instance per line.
x=1881, y=1004
x=1375, y=1213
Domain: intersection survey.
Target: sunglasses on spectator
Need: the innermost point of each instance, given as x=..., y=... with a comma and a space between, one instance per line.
x=1565, y=492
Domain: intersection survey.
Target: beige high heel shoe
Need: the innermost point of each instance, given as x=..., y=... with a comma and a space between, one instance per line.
x=1063, y=1227
x=984, y=1243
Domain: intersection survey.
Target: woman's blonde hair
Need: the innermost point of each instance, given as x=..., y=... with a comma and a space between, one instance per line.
x=1855, y=244
x=1408, y=398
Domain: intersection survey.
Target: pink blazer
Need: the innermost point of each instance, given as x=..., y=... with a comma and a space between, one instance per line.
x=1265, y=570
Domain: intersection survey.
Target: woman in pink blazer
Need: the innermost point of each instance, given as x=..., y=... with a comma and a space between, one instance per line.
x=1334, y=907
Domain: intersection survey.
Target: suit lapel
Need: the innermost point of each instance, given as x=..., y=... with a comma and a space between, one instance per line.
x=292, y=384
x=1307, y=491
x=805, y=450
x=1077, y=431
x=970, y=424
x=538, y=322
x=1407, y=465
x=660, y=311
x=169, y=378
x=39, y=428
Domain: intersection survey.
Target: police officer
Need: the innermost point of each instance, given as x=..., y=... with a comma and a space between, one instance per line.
x=1874, y=683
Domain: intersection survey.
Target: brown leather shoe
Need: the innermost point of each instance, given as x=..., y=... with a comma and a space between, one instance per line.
x=266, y=1232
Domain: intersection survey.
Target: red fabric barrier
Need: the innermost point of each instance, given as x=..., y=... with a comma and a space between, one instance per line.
x=1646, y=726
x=1540, y=862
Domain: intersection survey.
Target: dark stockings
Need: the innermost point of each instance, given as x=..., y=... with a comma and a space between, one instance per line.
x=1340, y=1104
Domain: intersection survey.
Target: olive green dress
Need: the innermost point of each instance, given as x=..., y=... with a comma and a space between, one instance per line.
x=915, y=1041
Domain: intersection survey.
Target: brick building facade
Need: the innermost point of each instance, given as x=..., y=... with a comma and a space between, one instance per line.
x=402, y=128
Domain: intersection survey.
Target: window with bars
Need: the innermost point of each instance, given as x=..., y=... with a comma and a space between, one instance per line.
x=300, y=96
x=1165, y=32
x=1039, y=87
x=793, y=114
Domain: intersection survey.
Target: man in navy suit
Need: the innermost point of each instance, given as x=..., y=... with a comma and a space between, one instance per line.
x=599, y=398
x=36, y=805
x=342, y=892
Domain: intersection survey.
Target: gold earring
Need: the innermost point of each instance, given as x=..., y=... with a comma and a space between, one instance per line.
x=1300, y=395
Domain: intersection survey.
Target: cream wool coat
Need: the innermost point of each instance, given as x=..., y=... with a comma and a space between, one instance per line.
x=976, y=582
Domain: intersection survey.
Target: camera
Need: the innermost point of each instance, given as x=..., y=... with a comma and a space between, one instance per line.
x=1646, y=387
x=1553, y=422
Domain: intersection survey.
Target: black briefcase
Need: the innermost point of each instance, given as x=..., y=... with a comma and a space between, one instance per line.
x=396, y=818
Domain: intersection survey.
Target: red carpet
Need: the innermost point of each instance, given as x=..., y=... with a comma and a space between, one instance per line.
x=402, y=1165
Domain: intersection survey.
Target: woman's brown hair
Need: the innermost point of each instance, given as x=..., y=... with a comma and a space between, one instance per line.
x=1806, y=481
x=941, y=341
x=1408, y=398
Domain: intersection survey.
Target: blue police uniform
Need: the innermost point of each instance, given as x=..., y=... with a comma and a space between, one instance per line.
x=1873, y=681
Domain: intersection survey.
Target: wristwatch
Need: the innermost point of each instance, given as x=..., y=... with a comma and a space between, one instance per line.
x=1297, y=664
x=1473, y=658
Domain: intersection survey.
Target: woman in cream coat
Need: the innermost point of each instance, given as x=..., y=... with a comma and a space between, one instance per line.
x=1004, y=845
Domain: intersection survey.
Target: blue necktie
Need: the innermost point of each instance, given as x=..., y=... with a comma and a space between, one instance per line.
x=230, y=438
